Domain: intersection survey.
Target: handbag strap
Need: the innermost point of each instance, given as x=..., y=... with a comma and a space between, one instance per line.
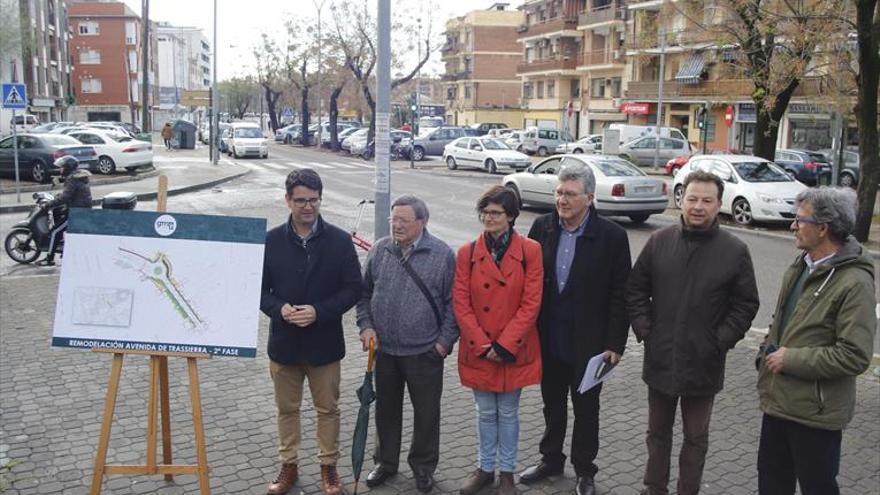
x=404, y=262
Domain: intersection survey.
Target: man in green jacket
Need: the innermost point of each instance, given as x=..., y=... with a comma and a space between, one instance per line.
x=820, y=340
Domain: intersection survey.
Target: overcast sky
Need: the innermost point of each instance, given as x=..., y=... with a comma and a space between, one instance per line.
x=240, y=23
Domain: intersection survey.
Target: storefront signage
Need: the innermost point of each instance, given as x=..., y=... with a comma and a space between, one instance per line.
x=636, y=108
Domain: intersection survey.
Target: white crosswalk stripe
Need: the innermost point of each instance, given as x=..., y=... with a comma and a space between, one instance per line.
x=368, y=165
x=274, y=165
x=342, y=164
x=319, y=165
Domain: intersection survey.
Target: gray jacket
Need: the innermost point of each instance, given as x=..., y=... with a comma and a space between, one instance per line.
x=392, y=304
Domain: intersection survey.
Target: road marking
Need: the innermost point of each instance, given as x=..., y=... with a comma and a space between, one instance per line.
x=274, y=165
x=364, y=165
x=343, y=165
x=319, y=165
x=293, y=164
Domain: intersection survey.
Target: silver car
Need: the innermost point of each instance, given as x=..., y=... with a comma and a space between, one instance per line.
x=435, y=141
x=622, y=189
x=641, y=150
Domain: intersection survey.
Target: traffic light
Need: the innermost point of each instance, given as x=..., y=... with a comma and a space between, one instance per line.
x=701, y=117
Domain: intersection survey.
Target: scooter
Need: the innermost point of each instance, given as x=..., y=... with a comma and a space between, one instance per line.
x=29, y=238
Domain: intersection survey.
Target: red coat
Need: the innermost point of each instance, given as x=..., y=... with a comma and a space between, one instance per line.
x=500, y=304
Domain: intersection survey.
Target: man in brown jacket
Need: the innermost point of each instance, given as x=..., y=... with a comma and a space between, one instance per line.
x=691, y=297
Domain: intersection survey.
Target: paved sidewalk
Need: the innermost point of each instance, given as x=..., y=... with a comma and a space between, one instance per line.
x=51, y=401
x=187, y=170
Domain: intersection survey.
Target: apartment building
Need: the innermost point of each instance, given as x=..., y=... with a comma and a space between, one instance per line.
x=699, y=71
x=107, y=51
x=551, y=47
x=184, y=60
x=38, y=34
x=602, y=64
x=481, y=55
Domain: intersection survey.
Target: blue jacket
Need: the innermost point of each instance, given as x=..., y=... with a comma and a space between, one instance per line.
x=323, y=272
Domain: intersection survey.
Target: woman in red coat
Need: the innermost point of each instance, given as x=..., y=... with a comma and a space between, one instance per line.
x=496, y=296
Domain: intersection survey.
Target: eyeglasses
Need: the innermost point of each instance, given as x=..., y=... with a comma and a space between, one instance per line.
x=569, y=195
x=493, y=214
x=810, y=220
x=401, y=221
x=302, y=202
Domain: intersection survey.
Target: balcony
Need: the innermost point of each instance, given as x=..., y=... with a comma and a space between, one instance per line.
x=455, y=76
x=554, y=25
x=547, y=65
x=649, y=39
x=601, y=57
x=449, y=48
x=722, y=88
x=605, y=13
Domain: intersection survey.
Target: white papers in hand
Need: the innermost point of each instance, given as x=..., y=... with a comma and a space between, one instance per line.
x=598, y=370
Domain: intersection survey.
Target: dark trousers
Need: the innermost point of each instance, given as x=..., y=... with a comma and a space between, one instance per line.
x=556, y=383
x=695, y=415
x=422, y=375
x=790, y=451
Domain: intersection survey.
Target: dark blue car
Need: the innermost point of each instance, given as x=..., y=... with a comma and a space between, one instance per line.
x=806, y=166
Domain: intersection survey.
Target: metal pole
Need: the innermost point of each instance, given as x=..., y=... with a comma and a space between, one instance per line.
x=320, y=111
x=15, y=157
x=145, y=79
x=837, y=140
x=383, y=114
x=662, y=33
x=215, y=117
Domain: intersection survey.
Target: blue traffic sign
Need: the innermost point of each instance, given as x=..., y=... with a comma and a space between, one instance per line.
x=288, y=112
x=14, y=96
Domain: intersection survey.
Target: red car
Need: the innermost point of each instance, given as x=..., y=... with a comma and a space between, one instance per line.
x=676, y=163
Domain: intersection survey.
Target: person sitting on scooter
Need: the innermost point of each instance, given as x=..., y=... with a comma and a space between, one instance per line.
x=77, y=193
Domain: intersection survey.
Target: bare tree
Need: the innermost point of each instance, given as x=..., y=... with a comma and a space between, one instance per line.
x=355, y=32
x=270, y=72
x=241, y=94
x=868, y=36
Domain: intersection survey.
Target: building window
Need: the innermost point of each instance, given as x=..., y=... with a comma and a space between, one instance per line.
x=130, y=33
x=575, y=88
x=597, y=88
x=132, y=61
x=527, y=90
x=615, y=87
x=91, y=85
x=89, y=28
x=90, y=57
x=467, y=92
x=551, y=89
x=539, y=93
x=135, y=91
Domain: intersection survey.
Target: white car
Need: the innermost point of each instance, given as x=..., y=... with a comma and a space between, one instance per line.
x=486, y=153
x=247, y=140
x=115, y=150
x=586, y=144
x=355, y=141
x=622, y=189
x=755, y=189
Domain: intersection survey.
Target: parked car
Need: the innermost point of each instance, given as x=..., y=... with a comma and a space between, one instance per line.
x=673, y=166
x=434, y=141
x=398, y=146
x=755, y=189
x=356, y=140
x=486, y=153
x=24, y=122
x=641, y=150
x=483, y=128
x=849, y=173
x=116, y=150
x=543, y=141
x=247, y=139
x=285, y=134
x=501, y=133
x=586, y=144
x=514, y=140
x=622, y=189
x=630, y=132
x=809, y=167
x=37, y=154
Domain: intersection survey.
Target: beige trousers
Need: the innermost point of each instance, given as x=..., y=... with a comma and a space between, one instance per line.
x=324, y=387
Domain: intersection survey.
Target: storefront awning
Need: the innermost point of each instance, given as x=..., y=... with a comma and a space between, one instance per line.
x=690, y=72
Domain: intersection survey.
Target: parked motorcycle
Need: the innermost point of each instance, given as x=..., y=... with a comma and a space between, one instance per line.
x=29, y=238
x=395, y=153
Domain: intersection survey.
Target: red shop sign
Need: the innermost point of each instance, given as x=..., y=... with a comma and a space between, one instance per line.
x=636, y=108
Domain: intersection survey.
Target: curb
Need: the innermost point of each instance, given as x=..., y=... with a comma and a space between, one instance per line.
x=146, y=196
x=110, y=180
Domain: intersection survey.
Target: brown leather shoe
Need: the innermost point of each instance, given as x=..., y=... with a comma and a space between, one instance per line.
x=476, y=482
x=330, y=483
x=286, y=478
x=506, y=487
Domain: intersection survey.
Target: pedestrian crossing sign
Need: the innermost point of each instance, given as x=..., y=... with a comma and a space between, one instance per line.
x=14, y=96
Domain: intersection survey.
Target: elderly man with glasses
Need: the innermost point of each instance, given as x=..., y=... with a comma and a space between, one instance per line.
x=820, y=340
x=583, y=313
x=406, y=310
x=311, y=277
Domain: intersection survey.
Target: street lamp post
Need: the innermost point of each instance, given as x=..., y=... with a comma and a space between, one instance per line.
x=662, y=34
x=319, y=6
x=215, y=117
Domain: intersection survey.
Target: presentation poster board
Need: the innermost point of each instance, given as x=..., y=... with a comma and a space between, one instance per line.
x=161, y=282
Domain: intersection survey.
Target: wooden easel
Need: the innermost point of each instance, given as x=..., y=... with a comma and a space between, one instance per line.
x=158, y=397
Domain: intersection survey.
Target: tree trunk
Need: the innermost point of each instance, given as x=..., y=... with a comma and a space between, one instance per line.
x=334, y=116
x=304, y=138
x=868, y=30
x=271, y=98
x=365, y=89
x=768, y=119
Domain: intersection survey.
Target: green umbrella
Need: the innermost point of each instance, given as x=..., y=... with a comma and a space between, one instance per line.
x=366, y=395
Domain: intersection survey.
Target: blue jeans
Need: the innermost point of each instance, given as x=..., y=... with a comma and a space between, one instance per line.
x=498, y=426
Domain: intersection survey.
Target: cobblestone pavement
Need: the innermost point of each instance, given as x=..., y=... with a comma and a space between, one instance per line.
x=51, y=401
